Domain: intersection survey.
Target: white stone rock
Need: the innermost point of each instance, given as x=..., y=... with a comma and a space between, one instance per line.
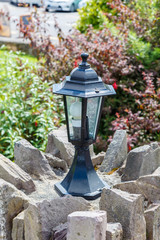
x=56, y=162
x=18, y=227
x=32, y=160
x=58, y=140
x=150, y=187
x=42, y=217
x=11, y=172
x=12, y=201
x=127, y=209
x=98, y=159
x=152, y=216
x=116, y=152
x=87, y=225
x=59, y=146
x=157, y=171
x=141, y=161
x=129, y=186
x=114, y=231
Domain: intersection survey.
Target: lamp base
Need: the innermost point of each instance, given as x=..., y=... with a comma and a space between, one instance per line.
x=88, y=196
x=82, y=180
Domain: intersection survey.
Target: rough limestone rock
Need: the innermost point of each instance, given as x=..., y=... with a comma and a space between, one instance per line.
x=87, y=225
x=130, y=187
x=127, y=209
x=150, y=187
x=12, y=201
x=144, y=160
x=12, y=173
x=60, y=232
x=98, y=159
x=59, y=146
x=157, y=171
x=116, y=152
x=42, y=217
x=56, y=162
x=32, y=160
x=152, y=216
x=114, y=231
x=18, y=227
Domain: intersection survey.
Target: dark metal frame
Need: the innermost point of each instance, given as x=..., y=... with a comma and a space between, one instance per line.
x=83, y=140
x=82, y=180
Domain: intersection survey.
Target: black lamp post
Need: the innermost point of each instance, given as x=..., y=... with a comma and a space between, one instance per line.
x=83, y=92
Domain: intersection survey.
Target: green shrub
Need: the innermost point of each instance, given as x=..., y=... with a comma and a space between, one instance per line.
x=143, y=51
x=28, y=109
x=92, y=14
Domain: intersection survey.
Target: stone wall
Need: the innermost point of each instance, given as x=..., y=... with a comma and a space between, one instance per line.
x=31, y=209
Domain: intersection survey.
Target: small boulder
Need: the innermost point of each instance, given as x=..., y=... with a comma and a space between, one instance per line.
x=32, y=160
x=142, y=161
x=116, y=152
x=87, y=225
x=56, y=162
x=59, y=146
x=12, y=202
x=152, y=216
x=127, y=209
x=130, y=187
x=42, y=217
x=114, y=231
x=18, y=227
x=12, y=173
x=150, y=187
x=98, y=159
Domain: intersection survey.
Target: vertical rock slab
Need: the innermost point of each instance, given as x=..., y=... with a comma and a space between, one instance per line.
x=11, y=172
x=114, y=231
x=42, y=217
x=32, y=160
x=87, y=225
x=152, y=216
x=150, y=187
x=127, y=209
x=12, y=202
x=142, y=161
x=59, y=146
x=18, y=227
x=116, y=152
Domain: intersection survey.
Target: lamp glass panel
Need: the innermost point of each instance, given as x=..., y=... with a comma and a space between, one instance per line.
x=93, y=111
x=74, y=112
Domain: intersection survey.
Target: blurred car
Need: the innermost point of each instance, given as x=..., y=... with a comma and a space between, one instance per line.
x=62, y=5
x=82, y=3
x=38, y=3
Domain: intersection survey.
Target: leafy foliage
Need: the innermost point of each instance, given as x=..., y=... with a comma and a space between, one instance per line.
x=122, y=52
x=28, y=109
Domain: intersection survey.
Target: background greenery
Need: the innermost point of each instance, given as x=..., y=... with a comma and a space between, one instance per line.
x=28, y=109
x=123, y=42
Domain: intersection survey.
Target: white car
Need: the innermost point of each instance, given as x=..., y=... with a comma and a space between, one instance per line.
x=38, y=3
x=82, y=3
x=62, y=5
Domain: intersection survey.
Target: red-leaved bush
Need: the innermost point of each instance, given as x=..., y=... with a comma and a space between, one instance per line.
x=144, y=125
x=136, y=106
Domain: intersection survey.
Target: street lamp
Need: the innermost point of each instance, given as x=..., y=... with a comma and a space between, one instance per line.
x=83, y=93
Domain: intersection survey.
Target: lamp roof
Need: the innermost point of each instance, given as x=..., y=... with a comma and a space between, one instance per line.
x=83, y=82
